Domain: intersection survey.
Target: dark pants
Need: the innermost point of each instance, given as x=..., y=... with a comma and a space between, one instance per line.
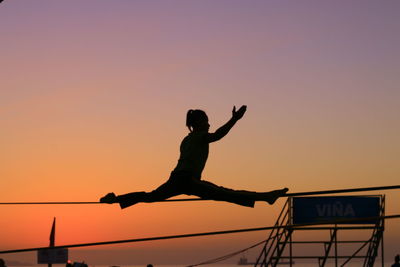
x=184, y=183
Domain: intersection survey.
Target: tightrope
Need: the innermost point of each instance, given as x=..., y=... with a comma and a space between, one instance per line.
x=198, y=234
x=324, y=192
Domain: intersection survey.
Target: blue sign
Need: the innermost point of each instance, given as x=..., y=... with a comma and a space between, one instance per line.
x=325, y=209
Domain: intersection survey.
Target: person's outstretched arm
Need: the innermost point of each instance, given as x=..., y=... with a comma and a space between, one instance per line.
x=224, y=129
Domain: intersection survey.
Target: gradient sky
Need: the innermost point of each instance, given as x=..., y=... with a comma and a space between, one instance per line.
x=94, y=95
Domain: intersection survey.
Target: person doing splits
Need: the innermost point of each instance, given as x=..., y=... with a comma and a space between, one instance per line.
x=186, y=177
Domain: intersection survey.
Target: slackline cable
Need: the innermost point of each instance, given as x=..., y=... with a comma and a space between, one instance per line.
x=199, y=234
x=337, y=191
x=230, y=255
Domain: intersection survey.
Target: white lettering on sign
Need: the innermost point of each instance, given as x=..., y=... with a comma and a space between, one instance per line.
x=335, y=209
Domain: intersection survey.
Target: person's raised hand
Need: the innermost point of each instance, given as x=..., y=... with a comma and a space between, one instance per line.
x=237, y=115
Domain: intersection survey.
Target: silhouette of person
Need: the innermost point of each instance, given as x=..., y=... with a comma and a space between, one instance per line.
x=2, y=263
x=186, y=177
x=396, y=261
x=149, y=265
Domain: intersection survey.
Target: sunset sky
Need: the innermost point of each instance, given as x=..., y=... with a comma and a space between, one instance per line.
x=94, y=95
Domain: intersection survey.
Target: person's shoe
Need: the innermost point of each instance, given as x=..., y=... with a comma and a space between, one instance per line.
x=110, y=198
x=272, y=196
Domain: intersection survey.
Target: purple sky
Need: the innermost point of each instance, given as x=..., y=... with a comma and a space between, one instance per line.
x=96, y=92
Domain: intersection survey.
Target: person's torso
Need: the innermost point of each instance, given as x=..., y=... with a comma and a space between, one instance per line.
x=193, y=153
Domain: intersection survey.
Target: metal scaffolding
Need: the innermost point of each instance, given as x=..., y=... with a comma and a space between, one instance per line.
x=336, y=224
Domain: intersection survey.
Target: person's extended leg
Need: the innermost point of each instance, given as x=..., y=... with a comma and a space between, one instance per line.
x=208, y=190
x=163, y=192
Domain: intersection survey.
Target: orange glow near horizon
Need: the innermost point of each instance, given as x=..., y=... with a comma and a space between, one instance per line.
x=94, y=97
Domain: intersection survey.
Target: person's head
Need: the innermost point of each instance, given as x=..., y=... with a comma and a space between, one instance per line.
x=2, y=263
x=397, y=258
x=149, y=265
x=197, y=120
